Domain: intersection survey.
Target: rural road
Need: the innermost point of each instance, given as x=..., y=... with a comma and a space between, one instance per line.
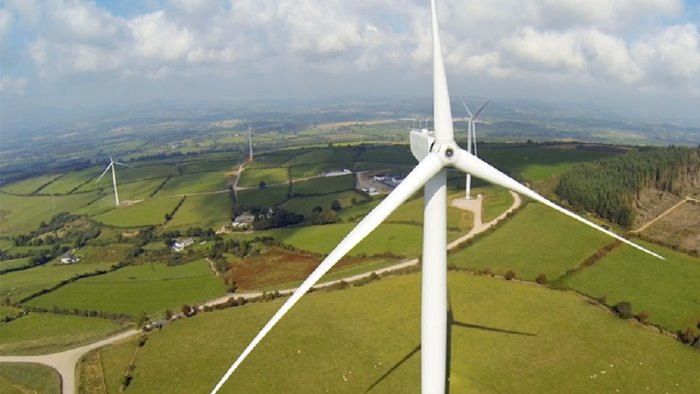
x=66, y=361
x=649, y=223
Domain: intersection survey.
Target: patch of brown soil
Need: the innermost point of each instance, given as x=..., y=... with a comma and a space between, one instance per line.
x=276, y=266
x=679, y=229
x=652, y=203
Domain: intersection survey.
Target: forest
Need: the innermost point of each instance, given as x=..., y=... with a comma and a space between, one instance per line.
x=611, y=186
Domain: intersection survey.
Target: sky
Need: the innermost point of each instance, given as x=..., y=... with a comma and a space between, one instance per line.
x=641, y=56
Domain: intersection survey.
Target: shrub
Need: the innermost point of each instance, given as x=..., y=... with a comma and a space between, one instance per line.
x=643, y=316
x=487, y=271
x=542, y=279
x=510, y=275
x=623, y=309
x=602, y=299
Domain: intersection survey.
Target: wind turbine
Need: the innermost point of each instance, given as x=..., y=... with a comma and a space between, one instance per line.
x=435, y=151
x=114, y=177
x=471, y=140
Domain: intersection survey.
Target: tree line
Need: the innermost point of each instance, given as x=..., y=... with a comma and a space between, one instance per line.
x=611, y=186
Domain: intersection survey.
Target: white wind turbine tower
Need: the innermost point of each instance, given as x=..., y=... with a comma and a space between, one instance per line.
x=435, y=151
x=114, y=177
x=471, y=141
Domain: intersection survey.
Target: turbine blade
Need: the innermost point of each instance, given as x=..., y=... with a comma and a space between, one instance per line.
x=466, y=107
x=482, y=107
x=441, y=95
x=425, y=170
x=479, y=168
x=122, y=164
x=104, y=172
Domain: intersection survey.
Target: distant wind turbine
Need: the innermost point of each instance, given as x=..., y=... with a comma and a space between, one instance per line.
x=435, y=151
x=114, y=177
x=471, y=140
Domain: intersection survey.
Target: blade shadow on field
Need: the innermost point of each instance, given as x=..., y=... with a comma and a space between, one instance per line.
x=451, y=323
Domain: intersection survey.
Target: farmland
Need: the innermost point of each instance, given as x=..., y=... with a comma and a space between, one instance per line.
x=20, y=214
x=20, y=284
x=38, y=333
x=145, y=213
x=535, y=237
x=210, y=210
x=194, y=183
x=371, y=352
x=149, y=288
x=664, y=289
x=27, y=377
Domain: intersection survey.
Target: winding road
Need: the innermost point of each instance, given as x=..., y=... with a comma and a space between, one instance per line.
x=66, y=361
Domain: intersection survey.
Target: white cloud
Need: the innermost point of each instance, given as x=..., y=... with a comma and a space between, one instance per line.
x=13, y=85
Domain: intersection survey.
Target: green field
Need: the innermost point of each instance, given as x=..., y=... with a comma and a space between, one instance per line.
x=496, y=201
x=536, y=163
x=667, y=290
x=20, y=284
x=194, y=183
x=72, y=180
x=267, y=160
x=21, y=378
x=268, y=197
x=210, y=166
x=506, y=337
x=324, y=185
x=211, y=210
x=145, y=213
x=399, y=239
x=147, y=288
x=271, y=176
x=6, y=311
x=8, y=264
x=23, y=214
x=323, y=155
x=112, y=253
x=412, y=212
x=400, y=154
x=28, y=186
x=38, y=333
x=316, y=169
x=537, y=240
x=304, y=205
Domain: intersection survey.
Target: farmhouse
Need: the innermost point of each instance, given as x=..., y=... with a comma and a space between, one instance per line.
x=243, y=220
x=181, y=244
x=69, y=258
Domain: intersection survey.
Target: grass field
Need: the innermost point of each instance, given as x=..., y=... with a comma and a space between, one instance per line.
x=28, y=186
x=8, y=311
x=268, y=197
x=367, y=340
x=388, y=154
x=210, y=166
x=149, y=288
x=271, y=176
x=20, y=284
x=323, y=155
x=316, y=169
x=194, y=183
x=324, y=185
x=38, y=333
x=7, y=264
x=148, y=212
x=536, y=163
x=269, y=160
x=23, y=214
x=22, y=378
x=537, y=240
x=667, y=290
x=211, y=210
x=155, y=174
x=72, y=180
x=496, y=201
x=304, y=205
x=134, y=190
x=412, y=211
x=399, y=239
x=112, y=253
